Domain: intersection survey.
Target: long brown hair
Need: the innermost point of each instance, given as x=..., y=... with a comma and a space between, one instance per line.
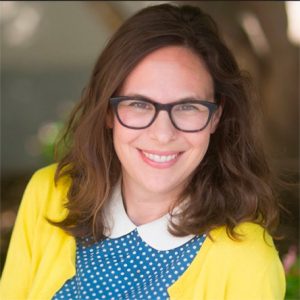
x=232, y=184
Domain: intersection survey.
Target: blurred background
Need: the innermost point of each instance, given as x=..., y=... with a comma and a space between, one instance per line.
x=48, y=49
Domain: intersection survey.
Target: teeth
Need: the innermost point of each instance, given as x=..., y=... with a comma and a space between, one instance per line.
x=160, y=158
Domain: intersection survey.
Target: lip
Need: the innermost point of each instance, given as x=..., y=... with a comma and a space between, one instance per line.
x=161, y=165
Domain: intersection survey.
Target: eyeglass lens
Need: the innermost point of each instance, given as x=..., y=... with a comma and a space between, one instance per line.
x=186, y=116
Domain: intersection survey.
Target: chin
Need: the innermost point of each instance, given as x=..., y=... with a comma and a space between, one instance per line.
x=159, y=187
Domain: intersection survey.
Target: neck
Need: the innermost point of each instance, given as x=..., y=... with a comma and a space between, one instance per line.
x=144, y=206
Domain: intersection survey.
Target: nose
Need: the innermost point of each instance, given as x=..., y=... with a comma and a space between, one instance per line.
x=162, y=129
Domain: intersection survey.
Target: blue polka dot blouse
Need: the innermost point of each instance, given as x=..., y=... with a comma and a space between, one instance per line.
x=127, y=268
x=133, y=262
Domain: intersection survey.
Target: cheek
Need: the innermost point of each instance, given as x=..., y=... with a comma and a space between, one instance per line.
x=123, y=136
x=199, y=143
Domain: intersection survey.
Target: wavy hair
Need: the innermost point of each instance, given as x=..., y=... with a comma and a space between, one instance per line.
x=232, y=184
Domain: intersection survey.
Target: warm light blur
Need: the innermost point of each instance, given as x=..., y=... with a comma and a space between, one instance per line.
x=19, y=21
x=255, y=33
x=293, y=14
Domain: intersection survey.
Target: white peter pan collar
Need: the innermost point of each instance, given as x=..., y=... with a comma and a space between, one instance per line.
x=155, y=233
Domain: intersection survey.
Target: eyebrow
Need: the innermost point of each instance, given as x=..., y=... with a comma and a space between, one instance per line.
x=176, y=100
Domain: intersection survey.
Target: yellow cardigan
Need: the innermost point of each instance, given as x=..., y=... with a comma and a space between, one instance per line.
x=41, y=257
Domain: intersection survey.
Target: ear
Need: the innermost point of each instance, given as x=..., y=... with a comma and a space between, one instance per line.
x=215, y=119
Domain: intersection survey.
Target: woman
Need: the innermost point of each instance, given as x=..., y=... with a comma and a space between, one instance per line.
x=164, y=191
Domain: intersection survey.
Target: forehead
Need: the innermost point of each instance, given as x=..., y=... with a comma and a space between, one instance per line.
x=170, y=73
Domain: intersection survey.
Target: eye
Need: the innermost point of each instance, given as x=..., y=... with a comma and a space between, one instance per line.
x=187, y=107
x=139, y=105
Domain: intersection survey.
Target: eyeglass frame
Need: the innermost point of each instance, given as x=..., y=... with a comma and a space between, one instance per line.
x=114, y=102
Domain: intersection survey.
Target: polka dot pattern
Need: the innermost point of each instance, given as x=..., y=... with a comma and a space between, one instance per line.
x=127, y=268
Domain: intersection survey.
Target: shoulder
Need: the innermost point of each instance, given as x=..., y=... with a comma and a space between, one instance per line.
x=44, y=178
x=249, y=233
x=45, y=174
x=252, y=262
x=254, y=249
x=44, y=195
x=249, y=268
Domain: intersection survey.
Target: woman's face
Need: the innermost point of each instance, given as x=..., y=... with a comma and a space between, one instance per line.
x=166, y=75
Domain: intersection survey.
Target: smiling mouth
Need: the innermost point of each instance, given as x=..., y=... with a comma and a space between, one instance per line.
x=160, y=158
x=165, y=158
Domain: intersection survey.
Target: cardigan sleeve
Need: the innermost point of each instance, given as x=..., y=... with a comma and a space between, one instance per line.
x=249, y=269
x=15, y=279
x=41, y=257
x=259, y=281
x=252, y=268
x=273, y=282
x=39, y=252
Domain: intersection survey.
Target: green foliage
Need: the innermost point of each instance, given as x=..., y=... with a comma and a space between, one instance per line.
x=48, y=137
x=293, y=282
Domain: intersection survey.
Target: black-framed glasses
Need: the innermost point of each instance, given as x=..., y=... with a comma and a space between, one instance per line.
x=186, y=115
